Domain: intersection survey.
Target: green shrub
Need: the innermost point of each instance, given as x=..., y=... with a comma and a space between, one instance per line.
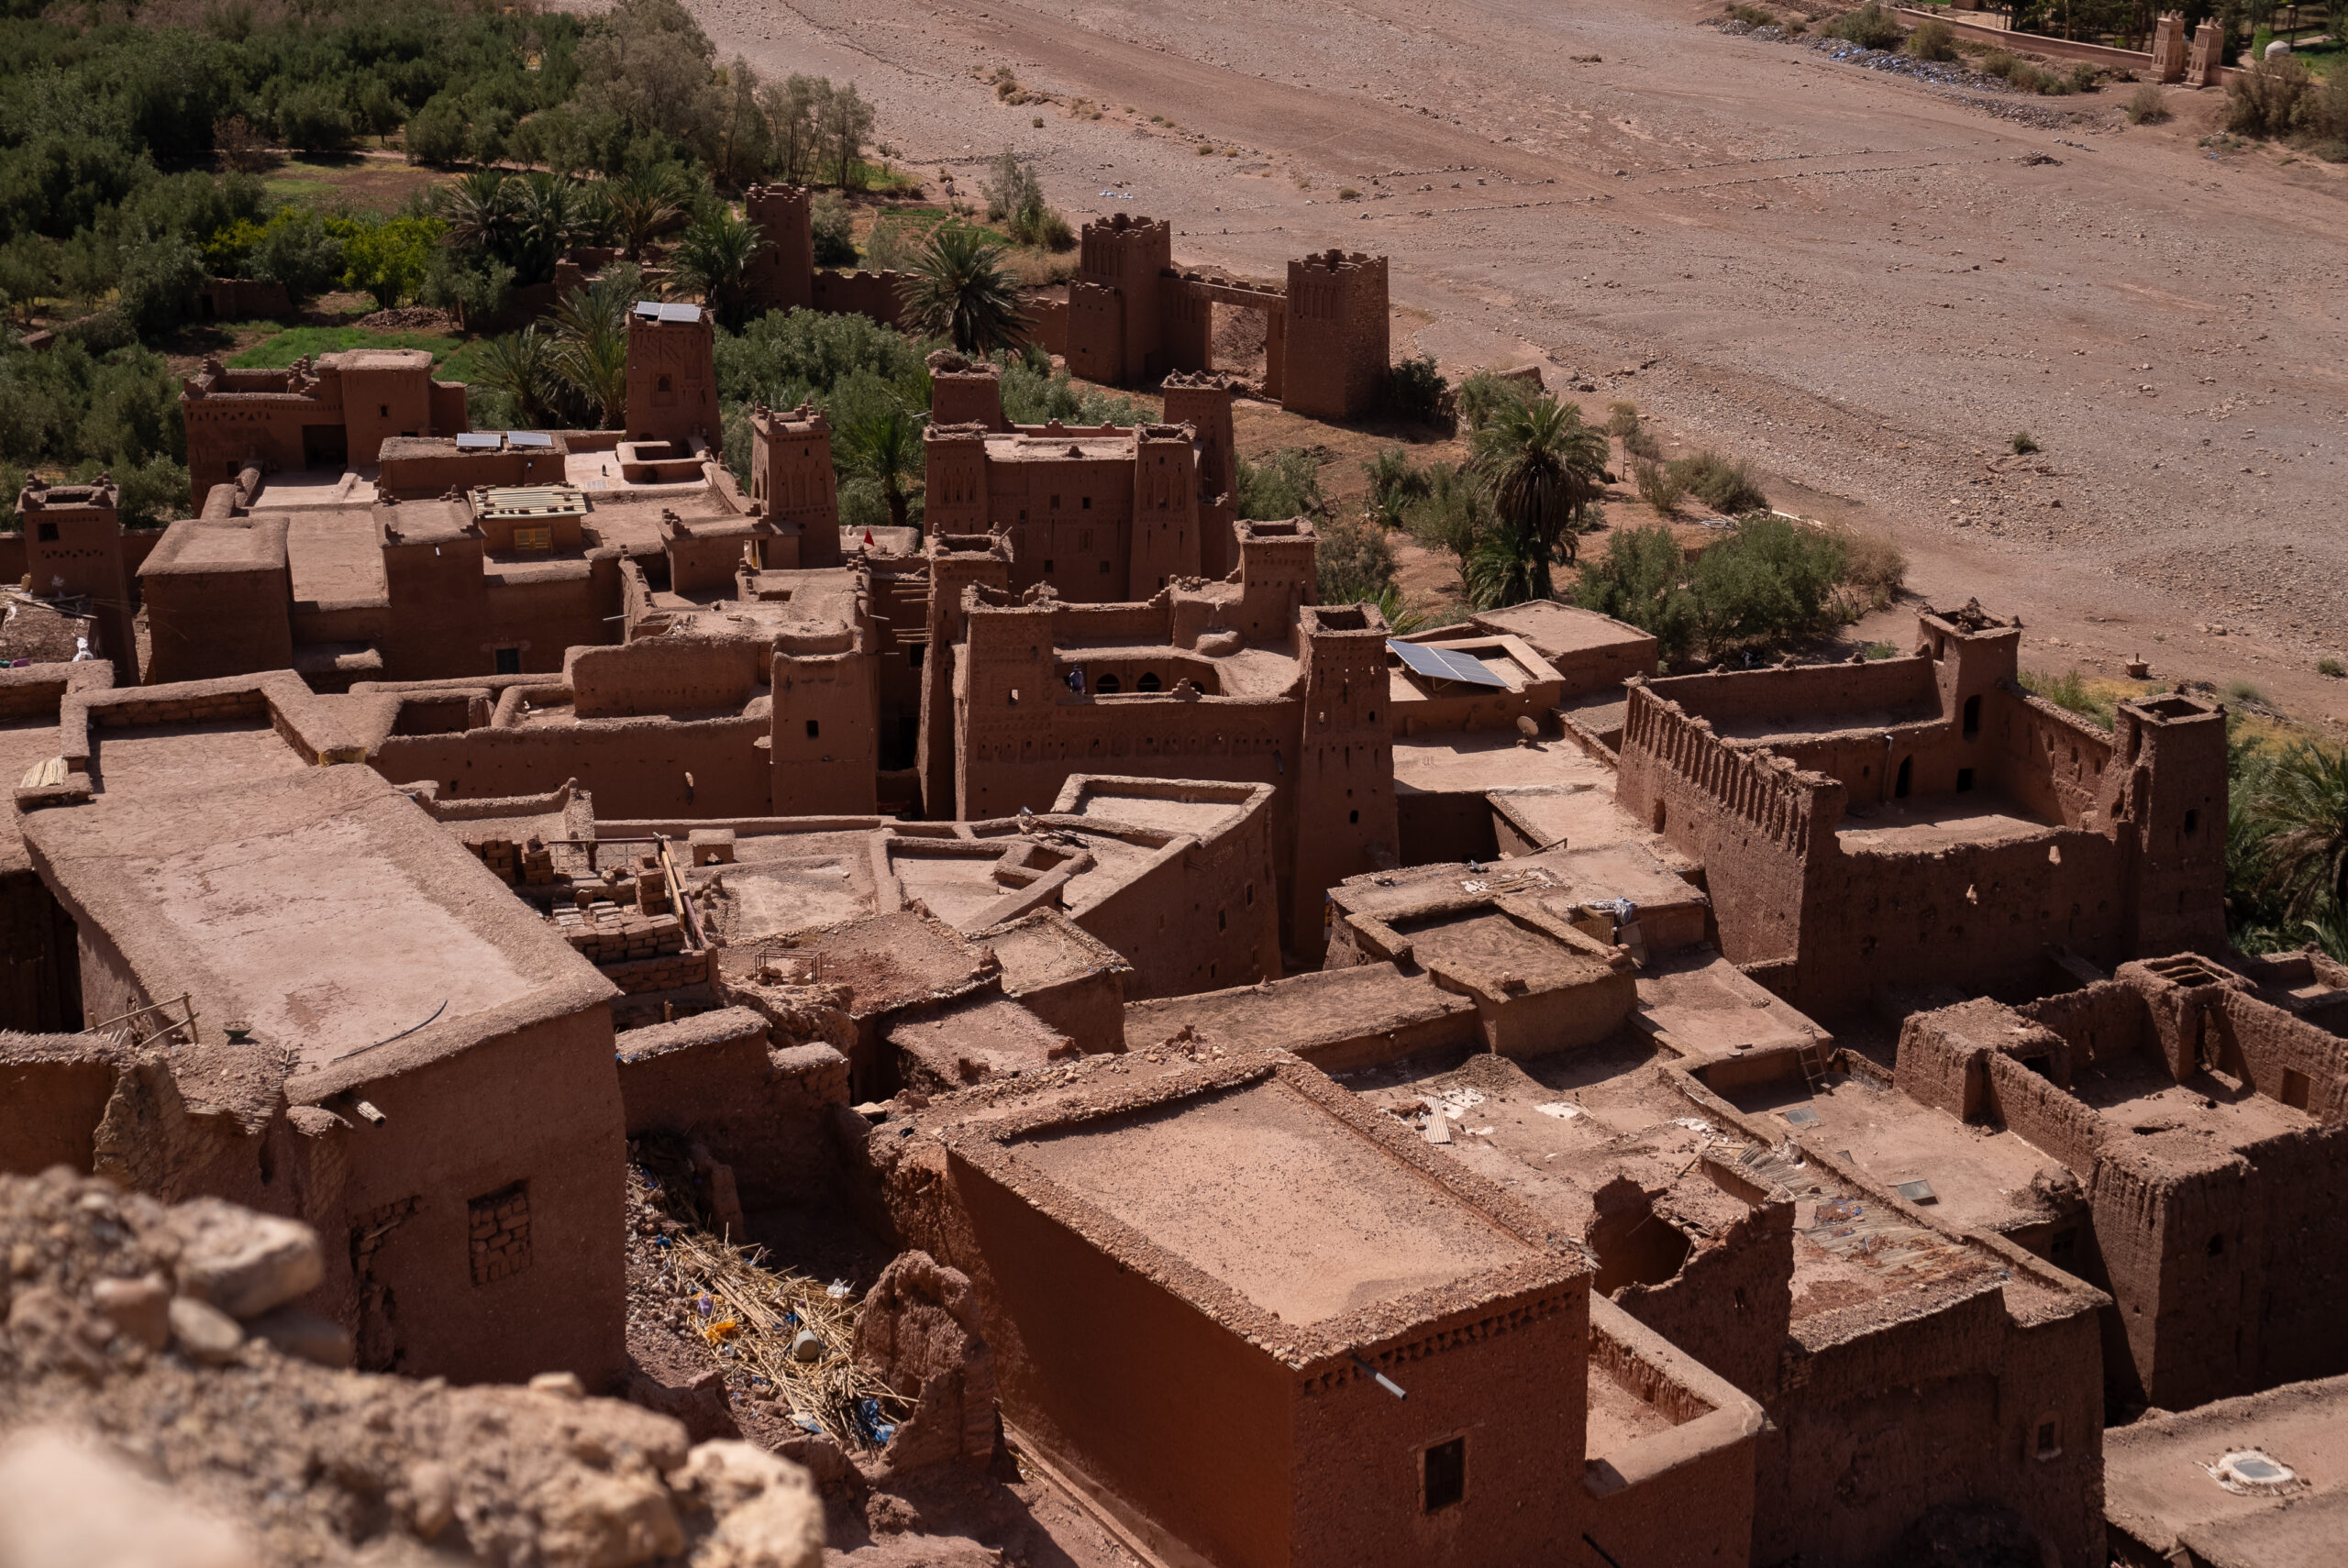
x=2265, y=99
x=2084, y=78
x=1874, y=651
x=1934, y=39
x=1872, y=26
x=1727, y=486
x=1356, y=559
x=2331, y=667
x=2024, y=442
x=2069, y=691
x=1486, y=392
x=834, y=221
x=1769, y=580
x=1415, y=389
x=1286, y=484
x=1454, y=515
x=1657, y=486
x=1638, y=580
x=1033, y=393
x=1622, y=419
x=1752, y=16
x=1875, y=569
x=2147, y=106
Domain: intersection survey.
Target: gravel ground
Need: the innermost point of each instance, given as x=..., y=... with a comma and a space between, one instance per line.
x=1864, y=282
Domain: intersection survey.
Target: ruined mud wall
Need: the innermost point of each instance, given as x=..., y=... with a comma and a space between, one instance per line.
x=2284, y=1057
x=764, y=1109
x=1201, y=917
x=634, y=768
x=2044, y=1115
x=2105, y=1021
x=859, y=292
x=1731, y=1299
x=666, y=675
x=1882, y=1420
x=1978, y=917
x=2048, y=761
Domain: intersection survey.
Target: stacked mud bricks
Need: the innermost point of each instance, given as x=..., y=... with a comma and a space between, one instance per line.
x=530, y=864
x=498, y=1233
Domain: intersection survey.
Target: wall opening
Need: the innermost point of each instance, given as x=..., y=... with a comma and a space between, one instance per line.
x=2295, y=1088
x=815, y=729
x=1444, y=1471
x=1108, y=686
x=1964, y=780
x=2192, y=820
x=1632, y=1243
x=1972, y=717
x=1907, y=775
x=1148, y=682
x=509, y=661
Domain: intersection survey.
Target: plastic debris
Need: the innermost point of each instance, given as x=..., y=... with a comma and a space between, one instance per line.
x=1563, y=1110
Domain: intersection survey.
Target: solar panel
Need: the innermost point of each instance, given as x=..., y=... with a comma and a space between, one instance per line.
x=481, y=441
x=1444, y=664
x=649, y=309
x=528, y=438
x=1918, y=1192
x=686, y=313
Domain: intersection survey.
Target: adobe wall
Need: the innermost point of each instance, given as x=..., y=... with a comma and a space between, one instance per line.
x=2286, y=1058
x=1977, y=916
x=405, y=1206
x=544, y=612
x=219, y=599
x=634, y=768
x=1753, y=825
x=1199, y=916
x=871, y=294
x=671, y=674
x=1684, y=1495
x=2050, y=761
x=1184, y=1420
x=781, y=271
x=671, y=382
x=1514, y=1381
x=2044, y=1115
x=1733, y=1298
x=55, y=1088
x=1881, y=1424
x=765, y=1110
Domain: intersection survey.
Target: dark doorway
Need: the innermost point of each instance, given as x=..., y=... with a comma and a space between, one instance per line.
x=509, y=661
x=1900, y=786
x=324, y=446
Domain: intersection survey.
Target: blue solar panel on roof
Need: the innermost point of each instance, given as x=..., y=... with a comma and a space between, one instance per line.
x=1444, y=664
x=484, y=441
x=528, y=438
x=687, y=312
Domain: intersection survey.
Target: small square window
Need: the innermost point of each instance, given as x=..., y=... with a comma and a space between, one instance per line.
x=1104, y=568
x=1963, y=779
x=913, y=654
x=815, y=729
x=1445, y=1474
x=1088, y=503
x=383, y=411
x=1048, y=563
x=2046, y=1437
x=49, y=533
x=509, y=661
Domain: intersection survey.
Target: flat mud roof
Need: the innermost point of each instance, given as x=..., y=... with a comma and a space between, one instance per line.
x=1269, y=1194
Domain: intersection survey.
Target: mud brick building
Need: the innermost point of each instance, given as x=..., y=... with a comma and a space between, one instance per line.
x=335, y=410
x=306, y=999
x=1925, y=819
x=1303, y=1360
x=74, y=549
x=2203, y=1124
x=1246, y=680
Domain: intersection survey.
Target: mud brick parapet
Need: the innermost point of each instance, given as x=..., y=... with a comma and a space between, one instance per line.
x=1338, y=334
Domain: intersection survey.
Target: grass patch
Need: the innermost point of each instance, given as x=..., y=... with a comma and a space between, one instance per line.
x=274, y=353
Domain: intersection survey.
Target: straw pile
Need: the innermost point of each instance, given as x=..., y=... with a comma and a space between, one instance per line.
x=752, y=1314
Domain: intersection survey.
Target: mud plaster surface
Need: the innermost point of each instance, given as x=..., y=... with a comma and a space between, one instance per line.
x=1257, y=1188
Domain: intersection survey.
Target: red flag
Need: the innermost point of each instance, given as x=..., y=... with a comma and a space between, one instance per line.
x=867, y=535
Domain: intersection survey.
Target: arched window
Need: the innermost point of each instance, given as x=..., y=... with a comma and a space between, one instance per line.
x=1108, y=686
x=1148, y=682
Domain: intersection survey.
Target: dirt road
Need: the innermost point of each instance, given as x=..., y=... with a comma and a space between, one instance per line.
x=1865, y=283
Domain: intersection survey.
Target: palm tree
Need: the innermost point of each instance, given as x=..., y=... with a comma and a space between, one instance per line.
x=522, y=366
x=2304, y=809
x=545, y=216
x=642, y=205
x=1546, y=467
x=883, y=445
x=957, y=290
x=713, y=261
x=1506, y=566
x=591, y=341
x=478, y=210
